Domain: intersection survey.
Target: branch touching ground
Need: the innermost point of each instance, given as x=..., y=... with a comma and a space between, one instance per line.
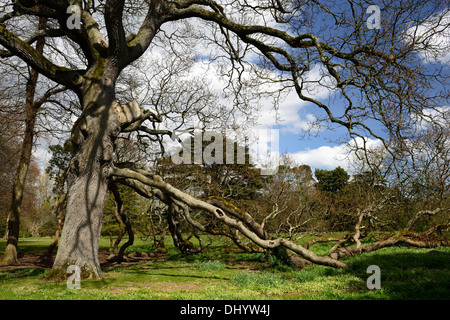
x=194, y=203
x=245, y=224
x=394, y=240
x=427, y=239
x=420, y=214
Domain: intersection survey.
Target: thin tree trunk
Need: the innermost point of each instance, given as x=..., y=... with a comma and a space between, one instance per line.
x=31, y=110
x=125, y=226
x=60, y=207
x=129, y=242
x=174, y=222
x=122, y=230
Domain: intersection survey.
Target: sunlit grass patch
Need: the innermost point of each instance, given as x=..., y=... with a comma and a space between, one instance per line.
x=406, y=273
x=210, y=265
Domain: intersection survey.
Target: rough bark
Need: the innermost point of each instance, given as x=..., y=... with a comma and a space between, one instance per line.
x=87, y=190
x=60, y=206
x=93, y=135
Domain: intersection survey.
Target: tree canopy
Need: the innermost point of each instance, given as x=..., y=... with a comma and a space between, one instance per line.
x=333, y=180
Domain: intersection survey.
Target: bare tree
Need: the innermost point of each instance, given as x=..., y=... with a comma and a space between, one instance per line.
x=32, y=106
x=10, y=121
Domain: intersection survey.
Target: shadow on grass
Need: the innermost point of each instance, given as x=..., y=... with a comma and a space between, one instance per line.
x=163, y=269
x=29, y=245
x=22, y=273
x=406, y=273
x=145, y=272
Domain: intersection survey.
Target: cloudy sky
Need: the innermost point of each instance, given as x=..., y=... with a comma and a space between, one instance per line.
x=320, y=149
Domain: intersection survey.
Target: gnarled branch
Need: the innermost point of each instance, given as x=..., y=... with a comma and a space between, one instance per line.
x=218, y=213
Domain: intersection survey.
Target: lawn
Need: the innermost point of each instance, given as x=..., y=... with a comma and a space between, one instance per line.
x=224, y=273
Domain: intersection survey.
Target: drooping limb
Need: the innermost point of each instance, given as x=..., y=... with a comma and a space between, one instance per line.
x=427, y=239
x=218, y=213
x=181, y=209
x=125, y=226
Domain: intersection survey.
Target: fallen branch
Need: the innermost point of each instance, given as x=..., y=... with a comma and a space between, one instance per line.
x=420, y=214
x=408, y=239
x=220, y=214
x=242, y=221
x=320, y=240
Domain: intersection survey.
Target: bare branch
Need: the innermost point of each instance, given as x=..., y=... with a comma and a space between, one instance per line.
x=114, y=27
x=218, y=213
x=421, y=213
x=64, y=76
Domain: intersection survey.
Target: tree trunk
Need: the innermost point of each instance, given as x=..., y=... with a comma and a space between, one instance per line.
x=118, y=214
x=174, y=223
x=86, y=197
x=93, y=136
x=19, y=185
x=60, y=208
x=125, y=227
x=87, y=190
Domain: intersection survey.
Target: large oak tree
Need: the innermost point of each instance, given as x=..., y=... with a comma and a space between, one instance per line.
x=377, y=76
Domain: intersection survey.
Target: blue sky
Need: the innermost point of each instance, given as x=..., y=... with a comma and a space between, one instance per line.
x=326, y=150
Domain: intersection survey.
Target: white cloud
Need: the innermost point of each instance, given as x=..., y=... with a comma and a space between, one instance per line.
x=324, y=157
x=432, y=38
x=440, y=116
x=330, y=157
x=317, y=84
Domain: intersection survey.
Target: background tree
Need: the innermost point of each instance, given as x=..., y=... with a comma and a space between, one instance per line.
x=331, y=180
x=415, y=178
x=9, y=152
x=32, y=106
x=57, y=171
x=288, y=203
x=214, y=175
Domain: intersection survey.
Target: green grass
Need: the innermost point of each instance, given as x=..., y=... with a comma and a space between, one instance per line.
x=221, y=273
x=28, y=245
x=214, y=265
